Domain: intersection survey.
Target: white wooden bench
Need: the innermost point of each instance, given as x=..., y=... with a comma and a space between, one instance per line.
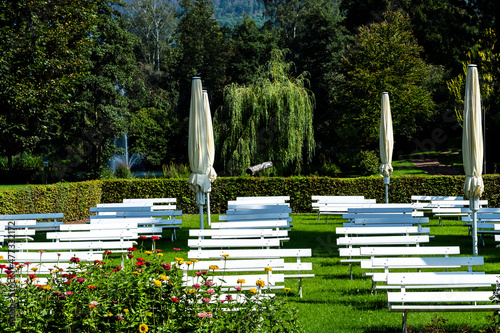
x=124, y=211
x=423, y=202
x=21, y=232
x=293, y=270
x=356, y=238
x=41, y=220
x=263, y=200
x=421, y=263
x=486, y=219
x=440, y=301
x=120, y=246
x=337, y=205
x=452, y=208
x=147, y=226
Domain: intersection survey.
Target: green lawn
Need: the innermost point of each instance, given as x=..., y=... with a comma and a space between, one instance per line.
x=332, y=302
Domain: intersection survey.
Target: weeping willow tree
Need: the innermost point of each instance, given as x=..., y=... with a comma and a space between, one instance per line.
x=269, y=120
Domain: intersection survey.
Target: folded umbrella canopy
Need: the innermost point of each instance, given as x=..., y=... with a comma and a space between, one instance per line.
x=386, y=141
x=201, y=149
x=472, y=147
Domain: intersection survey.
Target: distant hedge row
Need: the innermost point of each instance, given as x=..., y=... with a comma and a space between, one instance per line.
x=74, y=199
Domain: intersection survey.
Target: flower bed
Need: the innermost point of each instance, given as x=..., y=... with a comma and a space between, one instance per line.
x=147, y=295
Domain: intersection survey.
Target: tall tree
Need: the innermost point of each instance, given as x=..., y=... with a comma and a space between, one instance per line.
x=384, y=57
x=86, y=135
x=320, y=44
x=250, y=48
x=154, y=22
x=44, y=53
x=270, y=119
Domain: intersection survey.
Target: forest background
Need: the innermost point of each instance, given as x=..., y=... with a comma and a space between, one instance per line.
x=294, y=82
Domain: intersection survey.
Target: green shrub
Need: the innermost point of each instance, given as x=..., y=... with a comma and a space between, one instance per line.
x=176, y=171
x=123, y=171
x=367, y=163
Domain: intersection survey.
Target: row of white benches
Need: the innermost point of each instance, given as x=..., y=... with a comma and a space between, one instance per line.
x=384, y=251
x=250, y=237
x=439, y=206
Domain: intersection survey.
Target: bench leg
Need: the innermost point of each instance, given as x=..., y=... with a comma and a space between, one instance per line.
x=405, y=322
x=440, y=222
x=350, y=268
x=300, y=288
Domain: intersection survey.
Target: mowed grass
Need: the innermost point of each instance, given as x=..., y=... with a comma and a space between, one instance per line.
x=332, y=302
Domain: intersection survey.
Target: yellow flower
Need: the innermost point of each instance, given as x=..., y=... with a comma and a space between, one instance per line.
x=287, y=289
x=268, y=269
x=225, y=255
x=136, y=273
x=214, y=267
x=56, y=271
x=180, y=261
x=157, y=283
x=189, y=263
x=47, y=287
x=110, y=314
x=194, y=260
x=1, y=257
x=160, y=254
x=125, y=310
x=163, y=277
x=143, y=328
x=192, y=291
x=260, y=283
x=34, y=269
x=252, y=290
x=241, y=281
x=148, y=252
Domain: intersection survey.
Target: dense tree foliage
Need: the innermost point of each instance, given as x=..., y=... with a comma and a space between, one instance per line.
x=383, y=58
x=76, y=74
x=268, y=120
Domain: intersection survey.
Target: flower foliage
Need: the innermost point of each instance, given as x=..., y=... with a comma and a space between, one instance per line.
x=103, y=297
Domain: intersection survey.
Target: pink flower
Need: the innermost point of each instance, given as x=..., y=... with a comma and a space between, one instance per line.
x=197, y=273
x=237, y=288
x=210, y=291
x=196, y=286
x=166, y=266
x=41, y=251
x=176, y=249
x=208, y=283
x=81, y=280
x=229, y=297
x=69, y=293
x=204, y=314
x=206, y=300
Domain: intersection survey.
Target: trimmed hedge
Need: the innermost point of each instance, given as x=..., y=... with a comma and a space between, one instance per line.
x=74, y=199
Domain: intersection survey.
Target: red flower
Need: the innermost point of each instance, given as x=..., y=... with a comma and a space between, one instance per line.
x=158, y=250
x=166, y=266
x=74, y=260
x=175, y=299
x=141, y=260
x=155, y=237
x=143, y=237
x=131, y=249
x=139, y=264
x=91, y=287
x=107, y=252
x=130, y=256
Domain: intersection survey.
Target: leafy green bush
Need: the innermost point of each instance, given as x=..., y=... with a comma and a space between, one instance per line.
x=123, y=171
x=173, y=170
x=367, y=163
